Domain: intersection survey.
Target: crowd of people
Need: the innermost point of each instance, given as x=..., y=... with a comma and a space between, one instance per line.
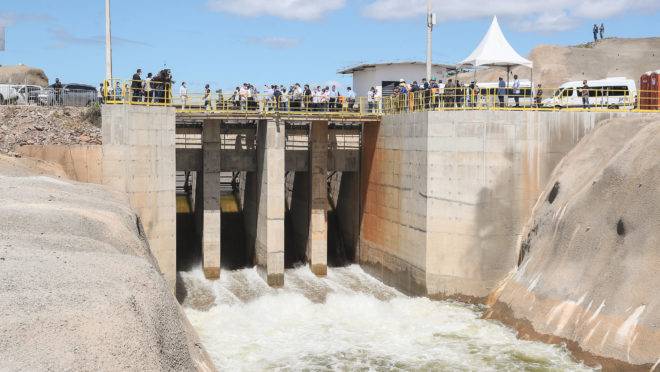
x=151, y=89
x=437, y=94
x=429, y=94
x=296, y=97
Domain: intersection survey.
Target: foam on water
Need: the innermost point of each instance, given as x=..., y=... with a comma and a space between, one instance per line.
x=350, y=321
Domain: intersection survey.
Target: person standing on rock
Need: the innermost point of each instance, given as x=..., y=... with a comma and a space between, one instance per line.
x=602, y=30
x=595, y=30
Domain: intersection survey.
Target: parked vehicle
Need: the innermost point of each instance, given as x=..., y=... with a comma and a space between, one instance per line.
x=27, y=94
x=69, y=95
x=614, y=93
x=7, y=94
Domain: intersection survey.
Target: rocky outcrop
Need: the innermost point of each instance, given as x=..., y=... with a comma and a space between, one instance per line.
x=21, y=74
x=31, y=125
x=555, y=65
x=590, y=256
x=79, y=288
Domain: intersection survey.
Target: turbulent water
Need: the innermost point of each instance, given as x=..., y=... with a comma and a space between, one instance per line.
x=349, y=321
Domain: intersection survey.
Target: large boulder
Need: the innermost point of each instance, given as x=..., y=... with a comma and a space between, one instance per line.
x=590, y=254
x=79, y=288
x=22, y=74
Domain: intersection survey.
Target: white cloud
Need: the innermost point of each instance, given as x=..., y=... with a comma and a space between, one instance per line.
x=275, y=42
x=302, y=10
x=527, y=15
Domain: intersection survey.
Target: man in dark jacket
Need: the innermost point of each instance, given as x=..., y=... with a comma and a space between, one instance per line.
x=136, y=86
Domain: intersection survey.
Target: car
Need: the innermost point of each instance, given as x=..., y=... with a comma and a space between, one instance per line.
x=613, y=93
x=28, y=94
x=69, y=95
x=7, y=94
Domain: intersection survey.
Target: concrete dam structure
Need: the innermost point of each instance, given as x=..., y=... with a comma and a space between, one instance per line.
x=433, y=204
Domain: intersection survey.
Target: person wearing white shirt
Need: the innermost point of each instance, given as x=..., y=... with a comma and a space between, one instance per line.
x=325, y=98
x=244, y=92
x=350, y=98
x=333, y=97
x=371, y=99
x=516, y=90
x=316, y=98
x=183, y=93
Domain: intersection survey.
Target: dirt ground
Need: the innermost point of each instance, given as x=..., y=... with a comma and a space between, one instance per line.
x=33, y=125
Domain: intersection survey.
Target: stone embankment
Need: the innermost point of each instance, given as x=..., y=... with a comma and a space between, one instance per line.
x=32, y=125
x=590, y=253
x=79, y=288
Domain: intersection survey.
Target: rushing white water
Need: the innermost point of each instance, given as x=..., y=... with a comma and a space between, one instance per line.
x=349, y=321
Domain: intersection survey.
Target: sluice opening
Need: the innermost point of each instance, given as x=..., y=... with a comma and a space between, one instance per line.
x=188, y=244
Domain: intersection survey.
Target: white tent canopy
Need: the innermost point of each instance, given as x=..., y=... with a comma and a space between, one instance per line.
x=495, y=50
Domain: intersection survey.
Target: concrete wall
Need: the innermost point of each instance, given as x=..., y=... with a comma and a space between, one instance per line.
x=139, y=159
x=82, y=163
x=446, y=194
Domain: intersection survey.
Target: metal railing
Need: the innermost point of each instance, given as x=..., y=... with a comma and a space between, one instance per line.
x=475, y=98
x=606, y=98
x=161, y=94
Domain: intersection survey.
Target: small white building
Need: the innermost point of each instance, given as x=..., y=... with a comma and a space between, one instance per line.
x=384, y=76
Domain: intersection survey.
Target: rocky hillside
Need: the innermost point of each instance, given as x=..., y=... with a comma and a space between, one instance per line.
x=591, y=253
x=32, y=125
x=554, y=65
x=23, y=75
x=79, y=288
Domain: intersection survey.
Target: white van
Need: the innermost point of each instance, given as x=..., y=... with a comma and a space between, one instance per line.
x=612, y=93
x=488, y=94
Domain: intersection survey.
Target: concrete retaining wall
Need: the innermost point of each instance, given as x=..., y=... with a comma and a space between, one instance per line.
x=82, y=163
x=139, y=159
x=445, y=194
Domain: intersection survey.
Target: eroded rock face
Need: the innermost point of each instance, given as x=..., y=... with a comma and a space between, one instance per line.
x=21, y=74
x=79, y=288
x=590, y=254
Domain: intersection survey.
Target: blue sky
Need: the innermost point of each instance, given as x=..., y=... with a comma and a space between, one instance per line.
x=225, y=42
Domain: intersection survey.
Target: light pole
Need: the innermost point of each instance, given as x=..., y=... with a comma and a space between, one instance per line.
x=108, y=43
x=430, y=22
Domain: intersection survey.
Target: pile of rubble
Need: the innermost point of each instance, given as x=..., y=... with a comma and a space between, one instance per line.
x=32, y=125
